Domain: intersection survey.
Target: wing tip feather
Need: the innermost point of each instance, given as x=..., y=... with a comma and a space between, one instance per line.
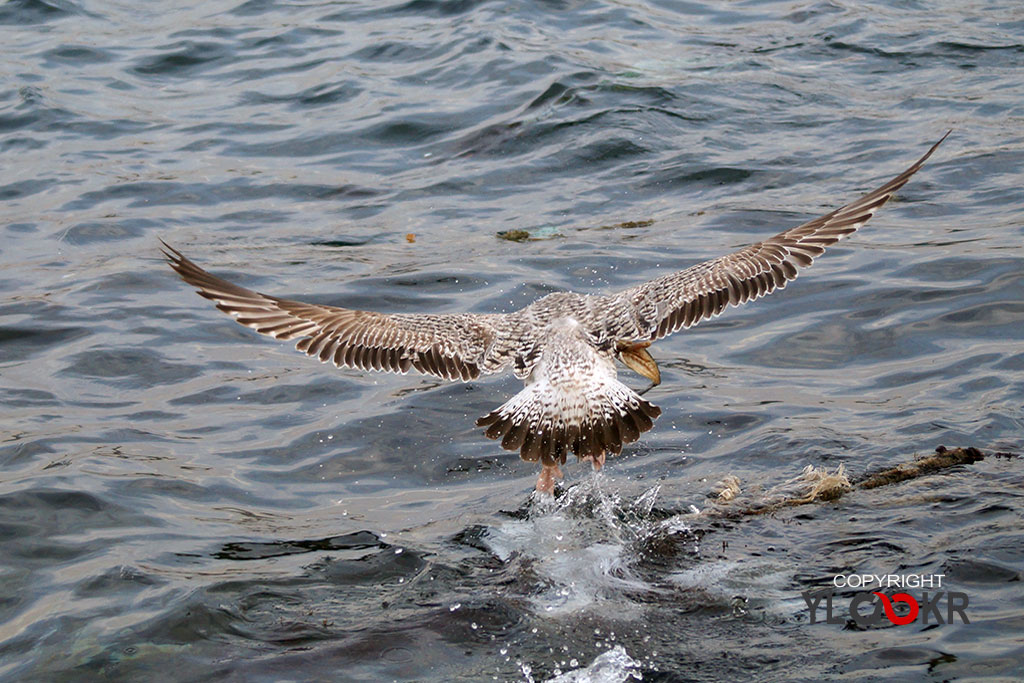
x=752, y=272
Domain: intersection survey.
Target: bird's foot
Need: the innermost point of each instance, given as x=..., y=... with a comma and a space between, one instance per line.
x=546, y=480
x=596, y=461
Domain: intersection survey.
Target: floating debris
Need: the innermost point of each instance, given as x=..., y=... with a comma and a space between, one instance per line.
x=514, y=235
x=727, y=489
x=410, y=237
x=628, y=225
x=820, y=484
x=814, y=485
x=532, y=235
x=941, y=459
x=550, y=232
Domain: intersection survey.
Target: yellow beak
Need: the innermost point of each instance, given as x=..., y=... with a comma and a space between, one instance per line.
x=637, y=359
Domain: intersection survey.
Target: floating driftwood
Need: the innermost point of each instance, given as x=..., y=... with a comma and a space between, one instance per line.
x=941, y=459
x=812, y=485
x=816, y=485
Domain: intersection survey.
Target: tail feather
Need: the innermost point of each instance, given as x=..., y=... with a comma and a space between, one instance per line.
x=545, y=423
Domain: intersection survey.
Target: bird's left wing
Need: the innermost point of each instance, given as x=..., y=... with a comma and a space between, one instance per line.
x=450, y=346
x=686, y=297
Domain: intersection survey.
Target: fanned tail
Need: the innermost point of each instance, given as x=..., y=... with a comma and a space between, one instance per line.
x=546, y=422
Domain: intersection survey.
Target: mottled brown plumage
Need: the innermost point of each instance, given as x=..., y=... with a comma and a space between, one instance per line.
x=563, y=345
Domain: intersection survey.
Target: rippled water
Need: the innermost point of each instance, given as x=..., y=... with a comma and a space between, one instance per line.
x=180, y=499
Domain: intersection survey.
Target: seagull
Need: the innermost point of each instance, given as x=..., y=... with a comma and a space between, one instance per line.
x=563, y=345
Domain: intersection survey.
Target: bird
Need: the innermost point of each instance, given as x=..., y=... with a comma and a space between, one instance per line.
x=564, y=346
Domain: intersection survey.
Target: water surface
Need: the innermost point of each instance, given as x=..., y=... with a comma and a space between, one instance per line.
x=181, y=499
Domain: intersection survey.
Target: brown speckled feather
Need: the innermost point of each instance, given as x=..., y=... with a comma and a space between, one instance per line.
x=564, y=345
x=684, y=298
x=450, y=346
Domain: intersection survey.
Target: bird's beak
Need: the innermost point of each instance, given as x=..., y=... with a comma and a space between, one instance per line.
x=637, y=359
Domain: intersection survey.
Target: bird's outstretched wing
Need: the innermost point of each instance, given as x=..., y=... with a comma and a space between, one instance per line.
x=450, y=346
x=686, y=297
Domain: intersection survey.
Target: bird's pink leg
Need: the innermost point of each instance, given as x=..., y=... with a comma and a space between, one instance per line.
x=597, y=461
x=547, y=477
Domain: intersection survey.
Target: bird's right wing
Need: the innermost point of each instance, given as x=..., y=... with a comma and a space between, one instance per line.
x=450, y=346
x=686, y=297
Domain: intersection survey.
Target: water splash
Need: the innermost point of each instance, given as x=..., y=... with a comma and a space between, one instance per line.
x=613, y=666
x=581, y=548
